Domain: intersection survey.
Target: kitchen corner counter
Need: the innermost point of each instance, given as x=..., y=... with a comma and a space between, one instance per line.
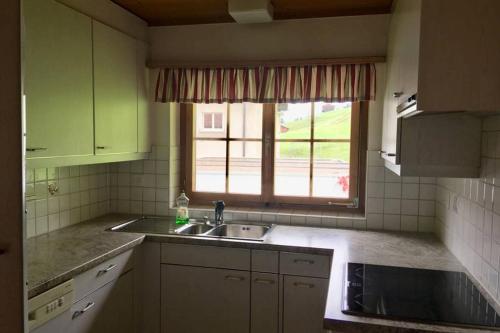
x=62, y=254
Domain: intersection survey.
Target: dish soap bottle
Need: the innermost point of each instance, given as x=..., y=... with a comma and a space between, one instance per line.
x=182, y=215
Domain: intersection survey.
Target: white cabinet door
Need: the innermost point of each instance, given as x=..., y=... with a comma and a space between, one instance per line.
x=205, y=300
x=108, y=309
x=144, y=115
x=115, y=91
x=304, y=300
x=265, y=303
x=58, y=80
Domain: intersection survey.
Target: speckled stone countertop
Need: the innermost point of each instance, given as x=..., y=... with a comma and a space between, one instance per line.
x=62, y=254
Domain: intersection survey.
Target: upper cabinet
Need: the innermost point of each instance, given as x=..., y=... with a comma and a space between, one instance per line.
x=144, y=116
x=115, y=91
x=444, y=52
x=58, y=81
x=440, y=59
x=86, y=88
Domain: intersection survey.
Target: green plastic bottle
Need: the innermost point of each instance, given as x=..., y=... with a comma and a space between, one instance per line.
x=182, y=215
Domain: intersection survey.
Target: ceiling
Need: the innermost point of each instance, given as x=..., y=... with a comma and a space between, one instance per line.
x=179, y=12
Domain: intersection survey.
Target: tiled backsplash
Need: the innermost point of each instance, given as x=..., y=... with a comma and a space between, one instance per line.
x=468, y=213
x=82, y=193
x=147, y=187
x=398, y=203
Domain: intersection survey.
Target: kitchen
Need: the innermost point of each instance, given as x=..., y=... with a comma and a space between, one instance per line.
x=250, y=166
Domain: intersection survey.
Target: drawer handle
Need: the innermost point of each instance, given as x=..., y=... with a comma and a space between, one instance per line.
x=264, y=281
x=234, y=278
x=36, y=149
x=101, y=147
x=85, y=309
x=104, y=271
x=303, y=285
x=303, y=261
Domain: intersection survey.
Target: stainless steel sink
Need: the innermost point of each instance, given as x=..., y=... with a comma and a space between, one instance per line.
x=193, y=229
x=239, y=231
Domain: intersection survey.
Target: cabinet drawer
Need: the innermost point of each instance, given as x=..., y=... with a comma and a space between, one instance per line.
x=205, y=256
x=108, y=309
x=103, y=273
x=305, y=264
x=265, y=261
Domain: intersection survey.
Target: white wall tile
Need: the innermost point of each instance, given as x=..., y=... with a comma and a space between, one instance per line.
x=392, y=206
x=392, y=190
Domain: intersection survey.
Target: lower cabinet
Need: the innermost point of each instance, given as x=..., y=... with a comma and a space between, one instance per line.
x=264, y=303
x=304, y=300
x=205, y=300
x=108, y=309
x=210, y=289
x=104, y=300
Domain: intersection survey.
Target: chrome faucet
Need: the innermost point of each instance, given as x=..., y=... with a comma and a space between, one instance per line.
x=219, y=212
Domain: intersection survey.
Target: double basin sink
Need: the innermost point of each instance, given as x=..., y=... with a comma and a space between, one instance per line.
x=234, y=231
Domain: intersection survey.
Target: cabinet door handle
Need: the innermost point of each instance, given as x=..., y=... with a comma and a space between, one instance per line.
x=264, y=281
x=36, y=149
x=101, y=147
x=303, y=261
x=104, y=271
x=391, y=154
x=82, y=311
x=234, y=278
x=397, y=94
x=3, y=251
x=303, y=285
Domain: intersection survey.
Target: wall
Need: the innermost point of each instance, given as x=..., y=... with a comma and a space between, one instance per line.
x=393, y=203
x=468, y=213
x=83, y=193
x=290, y=39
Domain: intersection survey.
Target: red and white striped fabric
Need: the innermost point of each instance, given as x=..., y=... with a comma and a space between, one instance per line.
x=327, y=83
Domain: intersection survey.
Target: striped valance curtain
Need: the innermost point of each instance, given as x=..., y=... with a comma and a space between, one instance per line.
x=290, y=84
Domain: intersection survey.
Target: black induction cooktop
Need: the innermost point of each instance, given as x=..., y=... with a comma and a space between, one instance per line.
x=419, y=295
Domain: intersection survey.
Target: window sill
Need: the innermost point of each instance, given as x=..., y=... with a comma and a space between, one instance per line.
x=326, y=219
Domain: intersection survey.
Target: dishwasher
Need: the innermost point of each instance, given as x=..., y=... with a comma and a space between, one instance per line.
x=49, y=312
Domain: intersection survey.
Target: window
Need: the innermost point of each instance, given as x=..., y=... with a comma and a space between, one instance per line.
x=210, y=120
x=284, y=154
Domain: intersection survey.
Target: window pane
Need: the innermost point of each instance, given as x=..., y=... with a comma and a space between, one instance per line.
x=218, y=120
x=331, y=170
x=210, y=166
x=209, y=120
x=245, y=120
x=245, y=167
x=291, y=168
x=332, y=120
x=293, y=121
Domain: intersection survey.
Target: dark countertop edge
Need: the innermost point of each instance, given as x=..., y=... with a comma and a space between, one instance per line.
x=85, y=266
x=347, y=326
x=361, y=327
x=257, y=245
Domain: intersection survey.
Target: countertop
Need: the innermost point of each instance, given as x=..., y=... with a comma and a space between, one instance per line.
x=65, y=253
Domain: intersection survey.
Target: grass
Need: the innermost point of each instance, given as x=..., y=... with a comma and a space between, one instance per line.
x=328, y=125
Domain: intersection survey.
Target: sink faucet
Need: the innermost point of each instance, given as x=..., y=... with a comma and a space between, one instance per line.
x=219, y=212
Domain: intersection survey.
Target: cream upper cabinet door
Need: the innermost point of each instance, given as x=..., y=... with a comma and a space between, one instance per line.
x=408, y=46
x=58, y=80
x=115, y=91
x=144, y=117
